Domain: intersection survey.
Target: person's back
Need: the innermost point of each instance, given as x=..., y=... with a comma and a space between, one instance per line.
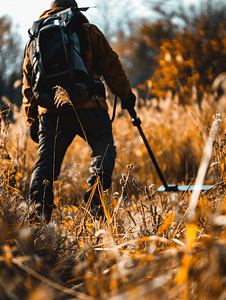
x=56, y=58
x=59, y=124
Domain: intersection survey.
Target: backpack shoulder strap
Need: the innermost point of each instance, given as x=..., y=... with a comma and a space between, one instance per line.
x=33, y=31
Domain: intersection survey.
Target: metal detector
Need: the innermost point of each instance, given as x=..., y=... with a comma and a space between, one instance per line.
x=165, y=187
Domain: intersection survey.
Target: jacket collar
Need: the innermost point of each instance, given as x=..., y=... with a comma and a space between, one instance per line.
x=55, y=10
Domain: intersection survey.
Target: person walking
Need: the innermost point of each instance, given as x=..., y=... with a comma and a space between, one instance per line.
x=54, y=126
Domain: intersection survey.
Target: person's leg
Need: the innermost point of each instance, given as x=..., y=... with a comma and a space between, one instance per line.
x=54, y=140
x=103, y=150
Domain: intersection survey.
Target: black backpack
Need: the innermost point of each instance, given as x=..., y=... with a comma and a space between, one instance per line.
x=56, y=58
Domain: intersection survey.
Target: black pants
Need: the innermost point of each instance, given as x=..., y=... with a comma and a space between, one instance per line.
x=56, y=132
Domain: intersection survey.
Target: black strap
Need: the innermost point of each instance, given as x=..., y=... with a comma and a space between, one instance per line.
x=71, y=73
x=71, y=59
x=114, y=109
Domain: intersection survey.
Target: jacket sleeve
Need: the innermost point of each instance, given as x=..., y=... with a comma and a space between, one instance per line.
x=29, y=103
x=107, y=63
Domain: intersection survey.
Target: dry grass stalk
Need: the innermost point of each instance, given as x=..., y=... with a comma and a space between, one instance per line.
x=50, y=282
x=144, y=252
x=203, y=167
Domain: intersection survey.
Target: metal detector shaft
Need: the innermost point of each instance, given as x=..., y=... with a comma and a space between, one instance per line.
x=137, y=122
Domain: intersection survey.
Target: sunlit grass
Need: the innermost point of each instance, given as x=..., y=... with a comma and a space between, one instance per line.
x=146, y=247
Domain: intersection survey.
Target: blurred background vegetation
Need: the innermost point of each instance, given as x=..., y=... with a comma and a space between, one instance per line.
x=179, y=48
x=11, y=57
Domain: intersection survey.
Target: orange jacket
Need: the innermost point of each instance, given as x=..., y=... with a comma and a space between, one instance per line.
x=99, y=55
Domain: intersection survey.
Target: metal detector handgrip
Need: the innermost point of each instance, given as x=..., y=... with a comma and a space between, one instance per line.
x=135, y=119
x=137, y=122
x=132, y=113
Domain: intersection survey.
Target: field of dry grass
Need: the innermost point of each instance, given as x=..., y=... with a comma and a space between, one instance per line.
x=148, y=246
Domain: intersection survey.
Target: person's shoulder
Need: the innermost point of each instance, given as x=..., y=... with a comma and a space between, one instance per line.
x=93, y=28
x=88, y=25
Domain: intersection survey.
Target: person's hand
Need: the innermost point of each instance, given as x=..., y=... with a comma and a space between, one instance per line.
x=129, y=103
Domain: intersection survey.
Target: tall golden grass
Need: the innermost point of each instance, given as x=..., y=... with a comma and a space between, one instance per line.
x=146, y=247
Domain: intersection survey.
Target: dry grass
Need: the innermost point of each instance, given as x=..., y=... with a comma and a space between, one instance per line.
x=146, y=248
